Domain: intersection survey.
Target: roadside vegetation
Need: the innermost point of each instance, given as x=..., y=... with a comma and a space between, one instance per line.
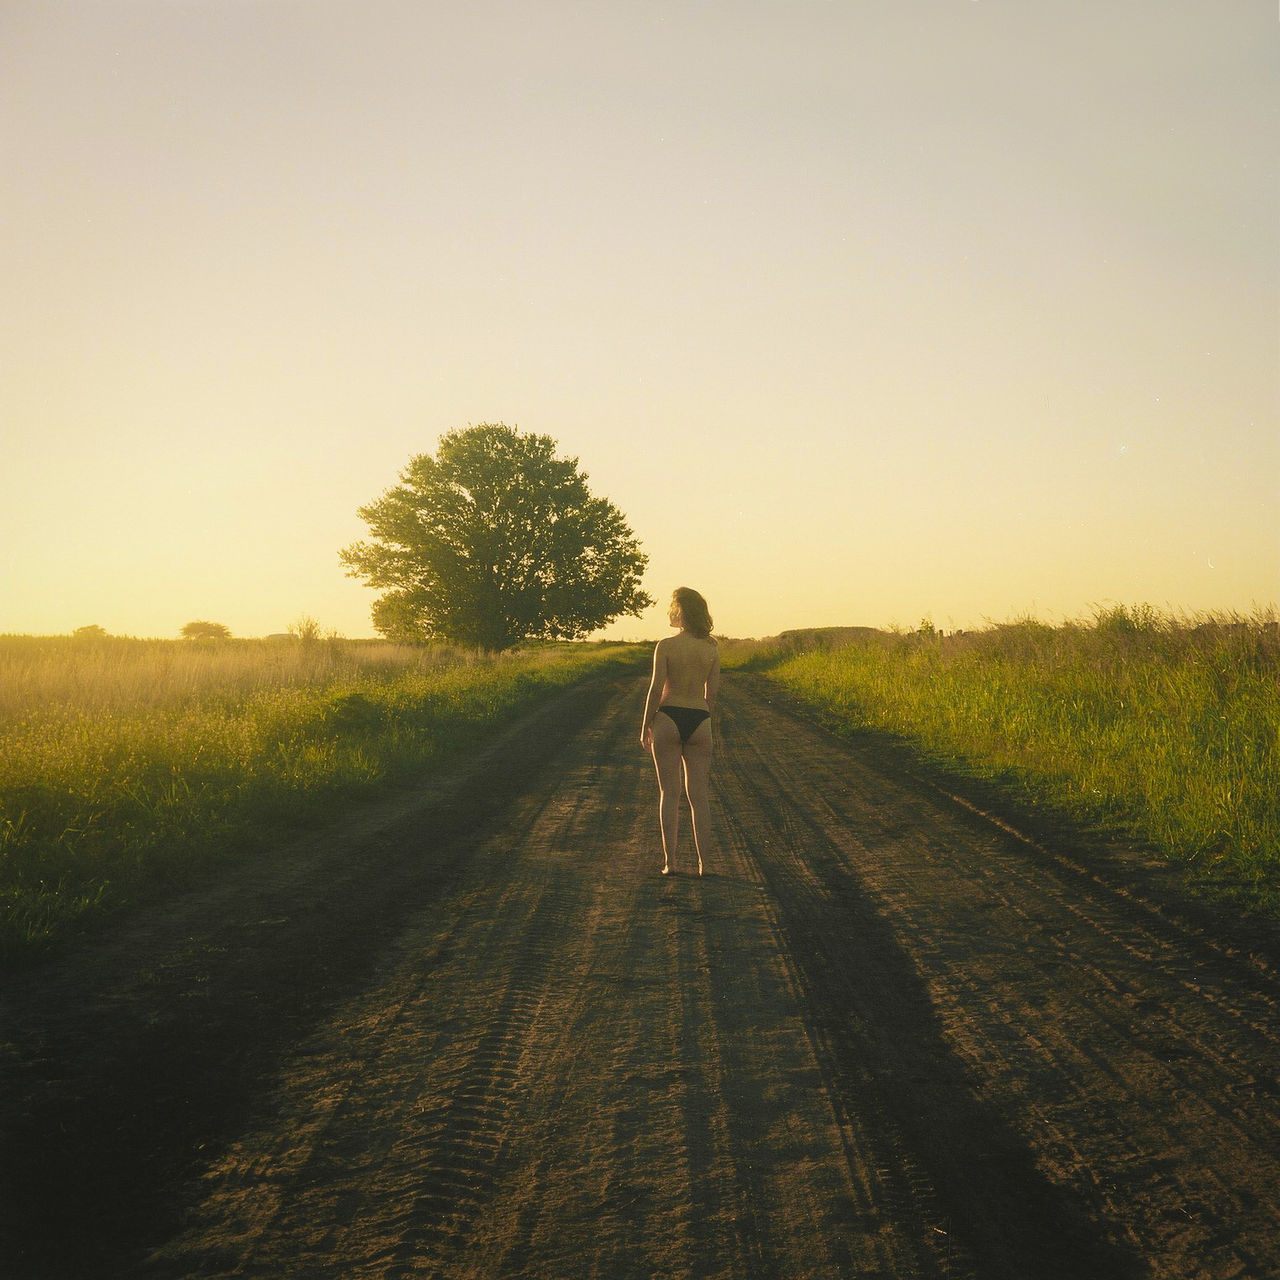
x=1163, y=728
x=127, y=767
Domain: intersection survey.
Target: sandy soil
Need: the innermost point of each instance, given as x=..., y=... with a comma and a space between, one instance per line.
x=898, y=1031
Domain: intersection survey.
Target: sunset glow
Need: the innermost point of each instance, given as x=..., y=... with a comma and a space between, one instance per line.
x=860, y=312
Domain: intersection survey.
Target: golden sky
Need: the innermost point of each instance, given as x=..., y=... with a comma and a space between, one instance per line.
x=861, y=310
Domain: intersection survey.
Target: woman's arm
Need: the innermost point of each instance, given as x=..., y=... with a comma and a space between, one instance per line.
x=656, y=686
x=713, y=681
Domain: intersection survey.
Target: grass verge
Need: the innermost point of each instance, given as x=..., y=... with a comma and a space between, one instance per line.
x=1137, y=723
x=130, y=767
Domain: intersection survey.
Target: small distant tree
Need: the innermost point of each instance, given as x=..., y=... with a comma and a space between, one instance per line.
x=205, y=631
x=91, y=632
x=496, y=540
x=306, y=629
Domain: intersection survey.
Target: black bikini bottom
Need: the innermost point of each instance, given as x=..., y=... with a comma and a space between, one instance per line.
x=686, y=719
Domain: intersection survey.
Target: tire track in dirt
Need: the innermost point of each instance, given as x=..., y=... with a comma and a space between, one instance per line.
x=963, y=1190
x=886, y=1037
x=127, y=1064
x=1100, y=1090
x=590, y=1071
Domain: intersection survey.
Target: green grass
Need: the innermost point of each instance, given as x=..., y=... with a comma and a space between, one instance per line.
x=1161, y=728
x=129, y=767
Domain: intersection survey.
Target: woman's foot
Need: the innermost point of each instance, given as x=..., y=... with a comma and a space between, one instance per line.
x=666, y=870
x=699, y=866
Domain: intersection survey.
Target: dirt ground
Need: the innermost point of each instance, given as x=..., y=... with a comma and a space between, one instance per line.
x=899, y=1030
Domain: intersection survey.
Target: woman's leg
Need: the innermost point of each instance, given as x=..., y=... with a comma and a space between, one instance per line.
x=666, y=759
x=697, y=774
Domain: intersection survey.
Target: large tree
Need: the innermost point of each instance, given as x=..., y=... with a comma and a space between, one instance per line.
x=495, y=540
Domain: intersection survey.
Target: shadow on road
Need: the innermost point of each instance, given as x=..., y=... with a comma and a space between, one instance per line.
x=942, y=1157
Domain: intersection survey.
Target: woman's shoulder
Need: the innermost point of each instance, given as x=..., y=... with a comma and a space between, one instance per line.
x=687, y=642
x=665, y=650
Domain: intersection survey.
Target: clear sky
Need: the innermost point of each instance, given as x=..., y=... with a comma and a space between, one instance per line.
x=860, y=310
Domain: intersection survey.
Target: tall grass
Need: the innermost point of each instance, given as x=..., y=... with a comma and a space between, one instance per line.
x=126, y=766
x=38, y=673
x=1164, y=728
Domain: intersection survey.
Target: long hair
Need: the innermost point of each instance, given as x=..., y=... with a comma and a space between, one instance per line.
x=693, y=611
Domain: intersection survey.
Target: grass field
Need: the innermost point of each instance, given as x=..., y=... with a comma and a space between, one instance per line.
x=1162, y=728
x=128, y=766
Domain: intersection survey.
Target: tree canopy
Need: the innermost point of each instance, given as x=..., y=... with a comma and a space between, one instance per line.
x=200, y=630
x=495, y=540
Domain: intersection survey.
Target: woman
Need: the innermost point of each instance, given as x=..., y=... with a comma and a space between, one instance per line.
x=677, y=721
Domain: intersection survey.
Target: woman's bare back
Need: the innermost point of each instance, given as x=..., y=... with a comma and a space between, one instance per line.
x=691, y=670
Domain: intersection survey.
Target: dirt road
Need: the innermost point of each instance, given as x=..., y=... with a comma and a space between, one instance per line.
x=470, y=1032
